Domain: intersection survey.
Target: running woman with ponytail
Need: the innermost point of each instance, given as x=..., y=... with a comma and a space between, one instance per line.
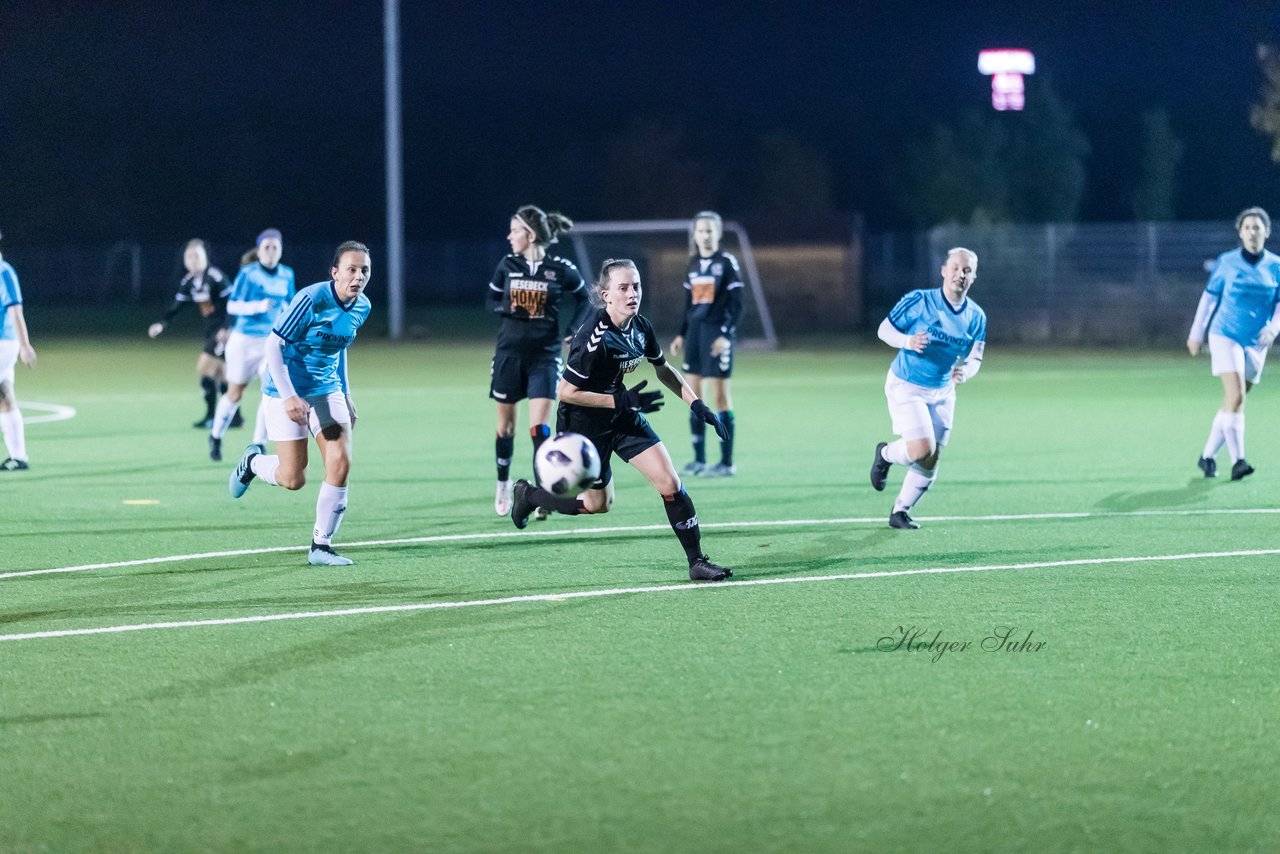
x=595, y=403
x=541, y=299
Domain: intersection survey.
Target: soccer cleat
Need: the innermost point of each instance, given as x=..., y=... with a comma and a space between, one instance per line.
x=702, y=569
x=1241, y=469
x=325, y=556
x=241, y=477
x=541, y=514
x=1209, y=466
x=694, y=469
x=10, y=464
x=215, y=449
x=203, y=423
x=502, y=498
x=521, y=506
x=879, y=468
x=720, y=470
x=237, y=420
x=900, y=519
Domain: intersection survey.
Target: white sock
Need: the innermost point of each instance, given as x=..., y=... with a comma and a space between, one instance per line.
x=260, y=423
x=896, y=452
x=914, y=485
x=331, y=504
x=15, y=436
x=264, y=466
x=1233, y=432
x=222, y=416
x=1216, y=437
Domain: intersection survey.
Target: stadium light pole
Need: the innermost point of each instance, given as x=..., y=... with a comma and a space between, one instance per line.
x=395, y=182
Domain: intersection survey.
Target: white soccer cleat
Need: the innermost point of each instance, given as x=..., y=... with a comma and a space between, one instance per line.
x=502, y=499
x=326, y=556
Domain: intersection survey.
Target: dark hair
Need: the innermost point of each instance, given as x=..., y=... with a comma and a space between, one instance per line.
x=249, y=257
x=1255, y=211
x=606, y=268
x=546, y=227
x=345, y=247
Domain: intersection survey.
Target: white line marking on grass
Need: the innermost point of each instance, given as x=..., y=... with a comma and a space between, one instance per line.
x=621, y=591
x=56, y=412
x=629, y=529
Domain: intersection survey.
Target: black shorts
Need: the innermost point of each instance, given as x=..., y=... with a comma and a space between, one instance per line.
x=697, y=352
x=213, y=347
x=612, y=432
x=513, y=378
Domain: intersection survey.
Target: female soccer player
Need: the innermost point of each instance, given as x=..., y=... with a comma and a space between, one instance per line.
x=595, y=403
x=527, y=290
x=307, y=389
x=712, y=306
x=15, y=344
x=207, y=288
x=940, y=335
x=1240, y=312
x=260, y=292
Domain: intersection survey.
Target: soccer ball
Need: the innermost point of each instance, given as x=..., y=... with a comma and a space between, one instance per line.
x=567, y=464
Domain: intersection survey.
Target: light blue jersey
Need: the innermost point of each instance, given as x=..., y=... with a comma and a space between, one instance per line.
x=258, y=297
x=952, y=335
x=317, y=329
x=1246, y=295
x=10, y=295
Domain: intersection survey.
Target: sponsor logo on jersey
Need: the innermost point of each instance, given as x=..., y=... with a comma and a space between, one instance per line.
x=630, y=365
x=938, y=335
x=703, y=289
x=529, y=295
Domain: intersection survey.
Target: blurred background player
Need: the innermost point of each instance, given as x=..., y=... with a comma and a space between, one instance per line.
x=940, y=335
x=307, y=390
x=595, y=403
x=1240, y=312
x=527, y=290
x=259, y=294
x=712, y=306
x=15, y=344
x=207, y=288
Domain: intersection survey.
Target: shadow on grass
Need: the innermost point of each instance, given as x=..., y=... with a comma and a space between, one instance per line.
x=1195, y=492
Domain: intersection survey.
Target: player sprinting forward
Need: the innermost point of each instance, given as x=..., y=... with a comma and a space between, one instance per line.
x=207, y=289
x=307, y=389
x=15, y=344
x=595, y=403
x=940, y=335
x=1240, y=313
x=712, y=306
x=259, y=294
x=535, y=293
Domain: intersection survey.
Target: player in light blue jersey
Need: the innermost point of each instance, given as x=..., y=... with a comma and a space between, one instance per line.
x=259, y=294
x=307, y=390
x=940, y=335
x=14, y=344
x=1240, y=313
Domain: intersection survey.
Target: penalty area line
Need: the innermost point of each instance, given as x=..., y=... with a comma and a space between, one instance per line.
x=54, y=412
x=624, y=591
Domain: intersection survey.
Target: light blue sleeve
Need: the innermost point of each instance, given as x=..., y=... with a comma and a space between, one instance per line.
x=907, y=311
x=10, y=292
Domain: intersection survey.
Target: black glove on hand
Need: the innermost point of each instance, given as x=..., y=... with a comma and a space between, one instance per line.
x=701, y=410
x=638, y=401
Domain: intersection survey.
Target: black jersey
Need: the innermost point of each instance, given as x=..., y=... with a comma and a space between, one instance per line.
x=528, y=295
x=713, y=293
x=209, y=291
x=601, y=354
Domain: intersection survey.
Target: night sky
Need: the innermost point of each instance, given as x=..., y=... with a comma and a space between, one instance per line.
x=154, y=121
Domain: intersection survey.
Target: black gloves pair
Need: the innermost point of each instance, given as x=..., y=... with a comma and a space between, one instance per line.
x=637, y=400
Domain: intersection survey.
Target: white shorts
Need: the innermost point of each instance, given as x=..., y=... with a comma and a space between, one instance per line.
x=325, y=411
x=919, y=412
x=1228, y=357
x=8, y=358
x=246, y=356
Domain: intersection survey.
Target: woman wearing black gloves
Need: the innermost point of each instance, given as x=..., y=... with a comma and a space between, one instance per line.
x=595, y=402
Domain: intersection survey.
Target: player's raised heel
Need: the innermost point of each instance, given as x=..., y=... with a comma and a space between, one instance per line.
x=521, y=506
x=901, y=520
x=1241, y=469
x=243, y=475
x=1209, y=466
x=879, y=468
x=325, y=556
x=502, y=498
x=702, y=569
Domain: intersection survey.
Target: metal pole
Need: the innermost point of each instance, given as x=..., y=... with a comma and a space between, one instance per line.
x=395, y=183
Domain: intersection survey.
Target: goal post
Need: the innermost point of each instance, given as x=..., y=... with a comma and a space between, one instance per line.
x=661, y=250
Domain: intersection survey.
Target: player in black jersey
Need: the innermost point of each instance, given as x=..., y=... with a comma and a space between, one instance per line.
x=536, y=294
x=712, y=306
x=207, y=288
x=595, y=402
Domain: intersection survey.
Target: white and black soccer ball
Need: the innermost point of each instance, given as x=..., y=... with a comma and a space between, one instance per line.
x=567, y=464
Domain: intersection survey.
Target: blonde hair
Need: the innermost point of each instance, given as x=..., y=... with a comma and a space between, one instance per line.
x=602, y=282
x=693, y=223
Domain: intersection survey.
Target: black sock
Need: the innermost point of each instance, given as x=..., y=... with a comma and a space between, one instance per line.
x=503, y=448
x=222, y=388
x=726, y=445
x=566, y=504
x=684, y=521
x=698, y=429
x=210, y=386
x=539, y=433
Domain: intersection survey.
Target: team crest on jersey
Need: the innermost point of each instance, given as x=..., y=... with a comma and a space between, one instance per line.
x=550, y=274
x=717, y=269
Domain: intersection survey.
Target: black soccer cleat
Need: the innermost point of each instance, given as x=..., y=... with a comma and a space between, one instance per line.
x=237, y=421
x=215, y=449
x=901, y=520
x=1241, y=469
x=204, y=423
x=521, y=506
x=879, y=468
x=1209, y=466
x=702, y=569
x=10, y=464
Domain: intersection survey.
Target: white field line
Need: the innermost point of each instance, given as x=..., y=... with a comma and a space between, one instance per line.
x=56, y=412
x=621, y=591
x=627, y=529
